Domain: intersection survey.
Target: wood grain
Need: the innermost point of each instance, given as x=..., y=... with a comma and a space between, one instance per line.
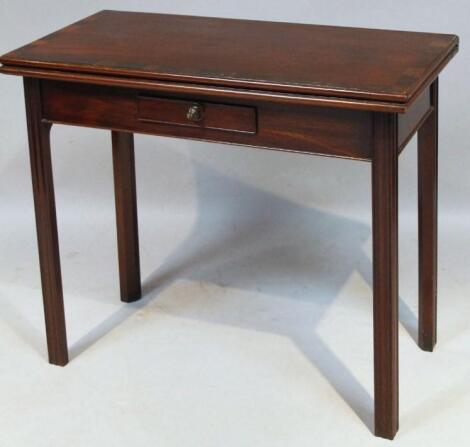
x=342, y=92
x=216, y=116
x=282, y=57
x=316, y=130
x=178, y=88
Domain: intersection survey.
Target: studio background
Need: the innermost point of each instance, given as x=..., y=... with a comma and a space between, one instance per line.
x=256, y=325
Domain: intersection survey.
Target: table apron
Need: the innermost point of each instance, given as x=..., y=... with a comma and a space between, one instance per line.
x=297, y=128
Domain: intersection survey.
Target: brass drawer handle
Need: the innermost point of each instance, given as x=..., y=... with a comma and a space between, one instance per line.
x=195, y=113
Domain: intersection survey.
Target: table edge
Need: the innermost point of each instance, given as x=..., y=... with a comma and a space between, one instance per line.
x=209, y=90
x=403, y=97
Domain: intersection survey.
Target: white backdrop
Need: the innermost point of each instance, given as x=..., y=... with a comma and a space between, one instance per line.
x=251, y=260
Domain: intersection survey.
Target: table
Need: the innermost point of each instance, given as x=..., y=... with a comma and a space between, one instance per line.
x=354, y=93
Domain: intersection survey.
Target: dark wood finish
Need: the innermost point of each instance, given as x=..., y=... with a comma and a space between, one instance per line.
x=385, y=269
x=126, y=216
x=411, y=121
x=335, y=132
x=180, y=88
x=309, y=59
x=214, y=116
x=343, y=92
x=427, y=210
x=46, y=224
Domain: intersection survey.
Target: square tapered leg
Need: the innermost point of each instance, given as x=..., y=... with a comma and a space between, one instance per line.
x=427, y=206
x=46, y=224
x=385, y=272
x=126, y=216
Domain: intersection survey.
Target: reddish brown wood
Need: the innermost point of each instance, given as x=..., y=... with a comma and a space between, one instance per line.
x=126, y=216
x=427, y=209
x=179, y=88
x=411, y=121
x=232, y=118
x=385, y=267
x=285, y=57
x=48, y=244
x=335, y=132
x=303, y=88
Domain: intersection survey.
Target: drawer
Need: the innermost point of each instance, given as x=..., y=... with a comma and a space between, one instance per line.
x=205, y=115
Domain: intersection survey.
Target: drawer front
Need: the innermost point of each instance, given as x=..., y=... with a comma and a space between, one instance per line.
x=299, y=128
x=205, y=115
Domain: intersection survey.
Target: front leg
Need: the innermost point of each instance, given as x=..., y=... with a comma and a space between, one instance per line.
x=385, y=272
x=46, y=224
x=427, y=215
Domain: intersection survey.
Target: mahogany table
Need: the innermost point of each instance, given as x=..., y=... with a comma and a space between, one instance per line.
x=344, y=92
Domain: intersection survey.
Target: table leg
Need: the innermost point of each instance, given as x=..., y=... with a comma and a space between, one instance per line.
x=126, y=216
x=427, y=206
x=385, y=269
x=46, y=224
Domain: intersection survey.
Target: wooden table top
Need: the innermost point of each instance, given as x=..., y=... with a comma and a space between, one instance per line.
x=281, y=57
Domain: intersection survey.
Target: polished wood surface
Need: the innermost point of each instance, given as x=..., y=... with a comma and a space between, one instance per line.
x=46, y=224
x=215, y=116
x=341, y=92
x=333, y=132
x=228, y=93
x=282, y=57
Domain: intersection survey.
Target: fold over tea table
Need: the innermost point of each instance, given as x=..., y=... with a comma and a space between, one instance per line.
x=345, y=92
